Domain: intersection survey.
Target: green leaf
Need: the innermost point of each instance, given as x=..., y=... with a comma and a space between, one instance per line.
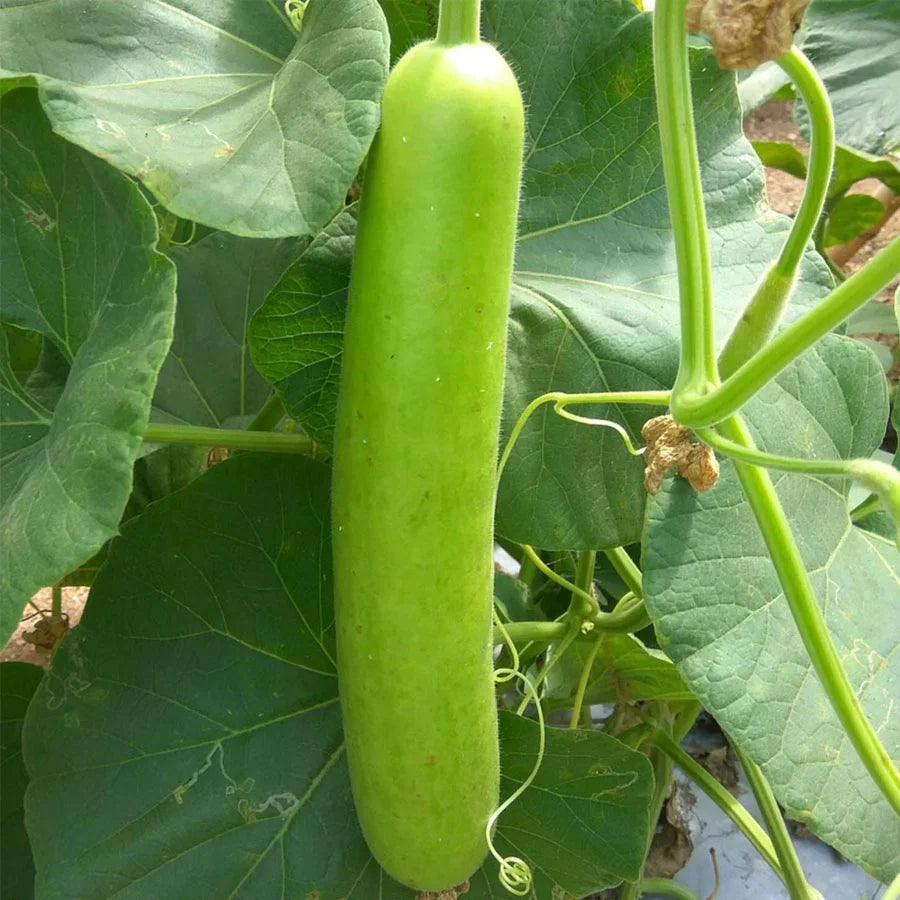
x=873, y=318
x=851, y=216
x=721, y=616
x=106, y=308
x=409, y=21
x=219, y=109
x=207, y=377
x=594, y=296
x=781, y=155
x=855, y=48
x=851, y=166
x=297, y=335
x=18, y=682
x=583, y=825
x=624, y=670
x=188, y=730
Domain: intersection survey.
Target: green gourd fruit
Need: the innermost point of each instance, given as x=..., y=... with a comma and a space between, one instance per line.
x=415, y=455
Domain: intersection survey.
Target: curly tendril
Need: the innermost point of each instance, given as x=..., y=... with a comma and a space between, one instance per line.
x=294, y=10
x=515, y=874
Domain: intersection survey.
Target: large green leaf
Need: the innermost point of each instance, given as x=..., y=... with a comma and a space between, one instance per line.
x=18, y=682
x=218, y=108
x=856, y=49
x=594, y=298
x=207, y=378
x=79, y=266
x=188, y=730
x=721, y=616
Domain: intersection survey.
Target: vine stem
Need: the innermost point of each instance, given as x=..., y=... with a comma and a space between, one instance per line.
x=584, y=579
x=56, y=602
x=788, y=563
x=759, y=320
x=626, y=570
x=698, y=399
x=794, y=879
x=583, y=683
x=662, y=778
x=695, y=410
x=877, y=476
x=697, y=370
x=269, y=416
x=820, y=164
x=526, y=632
x=722, y=798
x=234, y=439
x=892, y=892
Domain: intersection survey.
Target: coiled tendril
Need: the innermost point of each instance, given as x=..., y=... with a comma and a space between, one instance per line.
x=515, y=874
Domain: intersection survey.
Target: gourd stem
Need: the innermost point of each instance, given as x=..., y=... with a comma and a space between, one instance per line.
x=234, y=439
x=583, y=683
x=794, y=879
x=269, y=416
x=759, y=320
x=584, y=578
x=626, y=570
x=798, y=592
x=721, y=797
x=525, y=632
x=697, y=370
x=821, y=157
x=694, y=409
x=459, y=22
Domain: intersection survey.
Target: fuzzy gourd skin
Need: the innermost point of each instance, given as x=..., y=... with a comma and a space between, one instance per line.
x=415, y=458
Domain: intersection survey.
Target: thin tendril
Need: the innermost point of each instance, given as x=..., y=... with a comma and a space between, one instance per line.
x=560, y=400
x=294, y=10
x=188, y=239
x=515, y=874
x=560, y=409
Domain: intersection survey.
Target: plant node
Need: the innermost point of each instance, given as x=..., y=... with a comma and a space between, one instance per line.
x=671, y=445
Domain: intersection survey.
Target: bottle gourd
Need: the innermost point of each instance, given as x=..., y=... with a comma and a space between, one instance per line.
x=415, y=454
